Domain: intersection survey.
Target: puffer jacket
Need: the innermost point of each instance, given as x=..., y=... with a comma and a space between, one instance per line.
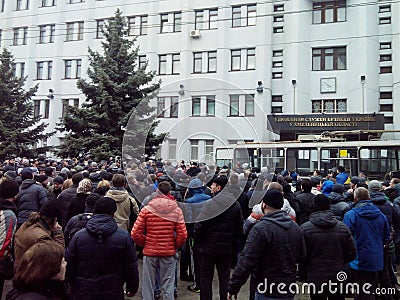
x=65, y=199
x=338, y=205
x=160, y=227
x=306, y=203
x=124, y=201
x=31, y=198
x=371, y=231
x=391, y=212
x=396, y=201
x=33, y=232
x=46, y=290
x=219, y=229
x=328, y=242
x=273, y=248
x=241, y=198
x=100, y=259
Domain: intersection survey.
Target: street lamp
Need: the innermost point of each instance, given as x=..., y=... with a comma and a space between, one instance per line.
x=294, y=83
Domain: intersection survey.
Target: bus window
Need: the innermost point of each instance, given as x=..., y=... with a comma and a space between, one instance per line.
x=334, y=157
x=304, y=161
x=376, y=162
x=273, y=158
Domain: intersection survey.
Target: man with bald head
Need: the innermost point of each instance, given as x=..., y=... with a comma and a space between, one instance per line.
x=371, y=233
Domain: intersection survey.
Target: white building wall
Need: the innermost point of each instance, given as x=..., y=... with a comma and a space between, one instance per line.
x=360, y=33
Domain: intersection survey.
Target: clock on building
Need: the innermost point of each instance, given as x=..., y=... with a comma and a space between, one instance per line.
x=328, y=85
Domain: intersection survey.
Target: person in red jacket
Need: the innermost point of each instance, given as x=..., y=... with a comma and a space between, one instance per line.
x=160, y=229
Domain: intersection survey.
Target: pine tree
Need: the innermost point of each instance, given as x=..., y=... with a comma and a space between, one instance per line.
x=20, y=130
x=117, y=89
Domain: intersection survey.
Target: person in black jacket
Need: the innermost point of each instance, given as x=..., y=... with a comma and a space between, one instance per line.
x=273, y=248
x=328, y=243
x=217, y=231
x=306, y=201
x=101, y=258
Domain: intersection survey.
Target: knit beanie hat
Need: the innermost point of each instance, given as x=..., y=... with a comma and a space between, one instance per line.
x=273, y=198
x=355, y=179
x=50, y=209
x=338, y=188
x=91, y=200
x=26, y=173
x=58, y=179
x=106, y=206
x=9, y=189
x=10, y=175
x=221, y=181
x=321, y=202
x=84, y=186
x=374, y=185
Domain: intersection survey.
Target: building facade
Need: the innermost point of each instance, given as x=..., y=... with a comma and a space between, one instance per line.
x=224, y=65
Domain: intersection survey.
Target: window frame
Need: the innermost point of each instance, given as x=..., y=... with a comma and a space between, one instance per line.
x=234, y=100
x=325, y=53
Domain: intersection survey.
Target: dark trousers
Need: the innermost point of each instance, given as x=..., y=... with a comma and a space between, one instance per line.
x=196, y=265
x=185, y=261
x=362, y=277
x=207, y=264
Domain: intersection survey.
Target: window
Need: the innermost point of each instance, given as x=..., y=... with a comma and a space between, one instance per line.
x=172, y=148
x=384, y=8
x=174, y=26
x=75, y=1
x=244, y=15
x=69, y=102
x=329, y=106
x=74, y=31
x=160, y=107
x=173, y=111
x=386, y=107
x=277, y=75
x=278, y=19
x=277, y=64
x=277, y=98
x=279, y=7
x=46, y=33
x=210, y=107
x=278, y=29
x=249, y=105
x=210, y=58
x=162, y=64
x=2, y=5
x=249, y=56
x=206, y=19
x=137, y=25
x=234, y=105
x=44, y=70
x=277, y=53
x=99, y=28
x=197, y=62
x=177, y=22
x=46, y=109
x=385, y=95
x=385, y=57
x=19, y=69
x=196, y=106
x=384, y=20
x=176, y=64
x=325, y=59
x=22, y=5
x=20, y=36
x=72, y=67
x=36, y=108
x=46, y=3
x=209, y=148
x=385, y=45
x=329, y=12
x=385, y=70
x=39, y=70
x=276, y=109
x=142, y=61
x=194, y=149
x=388, y=120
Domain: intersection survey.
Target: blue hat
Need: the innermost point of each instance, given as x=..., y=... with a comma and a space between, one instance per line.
x=195, y=183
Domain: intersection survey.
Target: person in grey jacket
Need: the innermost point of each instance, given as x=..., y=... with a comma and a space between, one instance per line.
x=31, y=198
x=339, y=206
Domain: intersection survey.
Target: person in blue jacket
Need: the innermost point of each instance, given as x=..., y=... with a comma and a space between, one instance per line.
x=342, y=176
x=371, y=233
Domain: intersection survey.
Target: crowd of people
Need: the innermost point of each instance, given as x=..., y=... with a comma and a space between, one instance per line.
x=75, y=229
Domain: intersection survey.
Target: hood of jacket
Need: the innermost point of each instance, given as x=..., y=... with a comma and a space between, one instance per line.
x=118, y=195
x=323, y=219
x=197, y=190
x=336, y=197
x=366, y=209
x=378, y=197
x=101, y=226
x=280, y=218
x=27, y=183
x=162, y=205
x=6, y=204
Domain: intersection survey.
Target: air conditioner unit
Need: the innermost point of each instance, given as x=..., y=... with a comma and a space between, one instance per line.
x=195, y=33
